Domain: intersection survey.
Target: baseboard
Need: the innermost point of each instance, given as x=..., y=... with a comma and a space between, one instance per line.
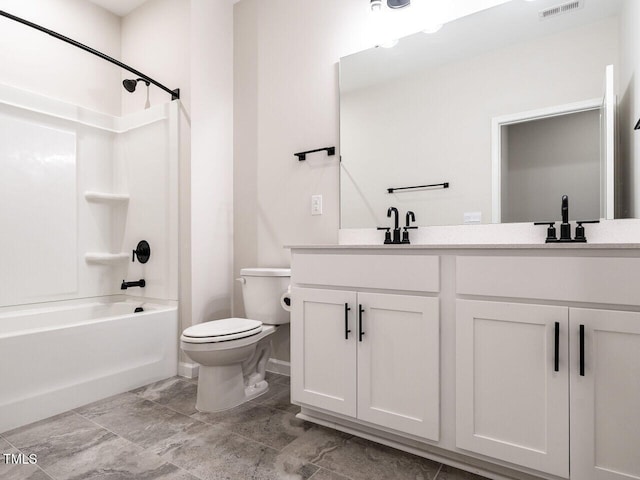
x=188, y=369
x=279, y=366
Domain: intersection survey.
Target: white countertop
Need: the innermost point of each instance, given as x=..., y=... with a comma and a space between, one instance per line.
x=462, y=246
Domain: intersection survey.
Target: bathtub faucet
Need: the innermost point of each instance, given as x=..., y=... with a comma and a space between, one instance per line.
x=140, y=283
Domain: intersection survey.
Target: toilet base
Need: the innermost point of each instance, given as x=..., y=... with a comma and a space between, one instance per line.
x=231, y=382
x=219, y=388
x=227, y=383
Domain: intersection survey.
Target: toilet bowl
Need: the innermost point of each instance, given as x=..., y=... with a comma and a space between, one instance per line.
x=233, y=352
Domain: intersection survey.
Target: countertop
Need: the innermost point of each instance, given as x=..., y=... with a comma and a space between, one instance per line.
x=462, y=246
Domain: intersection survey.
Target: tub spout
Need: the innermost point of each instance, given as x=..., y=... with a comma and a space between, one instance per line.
x=140, y=283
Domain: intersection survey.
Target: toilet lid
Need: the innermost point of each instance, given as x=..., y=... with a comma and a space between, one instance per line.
x=225, y=329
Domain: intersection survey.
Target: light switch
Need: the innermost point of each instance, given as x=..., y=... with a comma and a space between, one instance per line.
x=316, y=204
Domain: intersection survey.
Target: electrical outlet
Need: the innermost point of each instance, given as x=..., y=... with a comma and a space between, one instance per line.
x=316, y=204
x=471, y=218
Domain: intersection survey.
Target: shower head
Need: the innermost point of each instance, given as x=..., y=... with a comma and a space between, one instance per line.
x=130, y=84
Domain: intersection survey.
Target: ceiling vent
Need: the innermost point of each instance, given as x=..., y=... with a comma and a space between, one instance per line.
x=560, y=9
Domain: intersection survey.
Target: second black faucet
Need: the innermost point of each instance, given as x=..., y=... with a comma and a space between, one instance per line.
x=410, y=217
x=565, y=227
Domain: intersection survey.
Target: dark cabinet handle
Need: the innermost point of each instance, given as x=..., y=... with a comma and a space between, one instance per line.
x=557, y=348
x=346, y=321
x=582, y=350
x=360, y=332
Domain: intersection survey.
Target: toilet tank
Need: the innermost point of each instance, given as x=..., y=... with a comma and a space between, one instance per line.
x=261, y=292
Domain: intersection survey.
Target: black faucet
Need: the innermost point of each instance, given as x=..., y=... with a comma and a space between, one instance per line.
x=410, y=217
x=565, y=226
x=140, y=283
x=396, y=228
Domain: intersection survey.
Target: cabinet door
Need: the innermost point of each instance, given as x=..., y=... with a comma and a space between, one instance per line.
x=511, y=404
x=323, y=352
x=399, y=363
x=605, y=401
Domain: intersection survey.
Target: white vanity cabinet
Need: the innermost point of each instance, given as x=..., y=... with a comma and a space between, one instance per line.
x=511, y=403
x=323, y=349
x=605, y=396
x=515, y=364
x=579, y=418
x=372, y=356
x=399, y=363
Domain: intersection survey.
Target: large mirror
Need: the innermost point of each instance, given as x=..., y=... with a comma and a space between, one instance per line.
x=495, y=117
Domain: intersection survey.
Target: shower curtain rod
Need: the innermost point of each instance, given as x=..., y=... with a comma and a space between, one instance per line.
x=175, y=94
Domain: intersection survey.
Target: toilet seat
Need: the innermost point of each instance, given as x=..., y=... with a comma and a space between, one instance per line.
x=222, y=330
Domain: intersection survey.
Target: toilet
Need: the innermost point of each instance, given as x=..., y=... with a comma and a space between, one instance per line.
x=233, y=352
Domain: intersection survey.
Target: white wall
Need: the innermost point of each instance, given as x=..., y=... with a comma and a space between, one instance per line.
x=211, y=45
x=34, y=61
x=435, y=125
x=155, y=40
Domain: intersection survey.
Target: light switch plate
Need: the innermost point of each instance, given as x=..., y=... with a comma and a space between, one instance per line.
x=316, y=204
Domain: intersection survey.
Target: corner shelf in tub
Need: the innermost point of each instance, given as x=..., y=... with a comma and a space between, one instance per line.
x=103, y=197
x=105, y=258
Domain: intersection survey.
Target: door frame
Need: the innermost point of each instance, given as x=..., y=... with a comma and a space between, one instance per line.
x=512, y=119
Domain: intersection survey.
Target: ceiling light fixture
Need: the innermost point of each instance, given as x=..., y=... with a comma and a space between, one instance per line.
x=398, y=3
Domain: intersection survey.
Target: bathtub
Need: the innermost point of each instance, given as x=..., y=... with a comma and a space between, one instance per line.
x=59, y=356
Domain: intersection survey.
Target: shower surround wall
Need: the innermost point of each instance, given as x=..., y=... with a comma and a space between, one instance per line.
x=53, y=235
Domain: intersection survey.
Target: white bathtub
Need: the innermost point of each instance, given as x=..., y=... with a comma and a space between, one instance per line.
x=59, y=356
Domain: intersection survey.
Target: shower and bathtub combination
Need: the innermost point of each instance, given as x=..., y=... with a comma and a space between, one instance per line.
x=61, y=355
x=79, y=189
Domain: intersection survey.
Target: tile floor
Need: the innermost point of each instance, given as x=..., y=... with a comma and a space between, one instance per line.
x=156, y=433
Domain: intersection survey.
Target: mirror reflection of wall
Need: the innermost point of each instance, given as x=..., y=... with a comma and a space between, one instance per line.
x=422, y=112
x=544, y=159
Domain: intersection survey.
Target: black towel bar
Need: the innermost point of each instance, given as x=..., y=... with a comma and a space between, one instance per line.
x=331, y=151
x=443, y=185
